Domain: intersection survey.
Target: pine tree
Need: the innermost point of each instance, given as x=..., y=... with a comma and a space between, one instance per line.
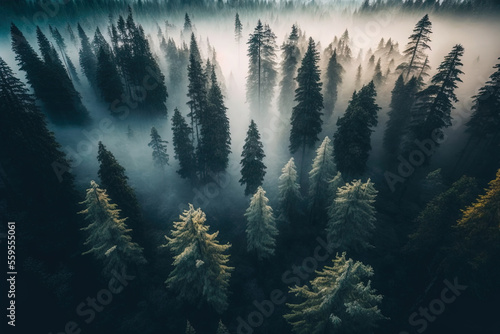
x=253, y=169
x=261, y=226
x=159, y=146
x=306, y=115
x=108, y=235
x=333, y=186
x=338, y=300
x=88, y=60
x=108, y=79
x=289, y=190
x=352, y=139
x=351, y=217
x=183, y=146
x=200, y=272
x=434, y=104
x=290, y=59
x=62, y=49
x=359, y=73
x=416, y=47
x=238, y=27
x=378, y=78
x=114, y=180
x=333, y=79
x=188, y=27
x=323, y=170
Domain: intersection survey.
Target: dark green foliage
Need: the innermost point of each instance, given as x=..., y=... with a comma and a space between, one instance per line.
x=416, y=47
x=88, y=60
x=238, y=27
x=159, y=146
x=306, y=115
x=290, y=60
x=253, y=169
x=183, y=146
x=333, y=78
x=108, y=79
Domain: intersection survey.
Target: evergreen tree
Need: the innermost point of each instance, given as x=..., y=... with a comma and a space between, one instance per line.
x=378, y=78
x=333, y=79
x=333, y=186
x=253, y=169
x=200, y=272
x=188, y=27
x=289, y=190
x=339, y=300
x=159, y=146
x=114, y=180
x=323, y=170
x=261, y=226
x=221, y=328
x=359, y=73
x=189, y=327
x=306, y=115
x=100, y=42
x=416, y=47
x=183, y=146
x=108, y=79
x=352, y=139
x=434, y=104
x=238, y=27
x=351, y=217
x=62, y=49
x=88, y=60
x=108, y=235
x=290, y=60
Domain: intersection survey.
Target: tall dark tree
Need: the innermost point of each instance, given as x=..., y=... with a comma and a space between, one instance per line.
x=64, y=56
x=159, y=146
x=188, y=26
x=306, y=115
x=253, y=169
x=290, y=59
x=115, y=181
x=352, y=139
x=108, y=79
x=333, y=78
x=88, y=60
x=238, y=27
x=183, y=146
x=415, y=49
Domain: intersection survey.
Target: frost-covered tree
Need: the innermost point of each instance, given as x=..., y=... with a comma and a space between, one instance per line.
x=200, y=271
x=333, y=185
x=159, y=146
x=338, y=300
x=289, y=190
x=352, y=217
x=323, y=170
x=253, y=169
x=261, y=226
x=108, y=235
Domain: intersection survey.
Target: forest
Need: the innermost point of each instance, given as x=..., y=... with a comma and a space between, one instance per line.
x=250, y=166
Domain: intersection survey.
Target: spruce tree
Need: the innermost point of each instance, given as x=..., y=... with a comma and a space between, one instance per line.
x=238, y=27
x=183, y=146
x=306, y=115
x=200, y=265
x=221, y=328
x=333, y=78
x=289, y=190
x=189, y=327
x=188, y=26
x=352, y=139
x=290, y=59
x=108, y=236
x=351, y=217
x=88, y=60
x=338, y=300
x=416, y=47
x=378, y=78
x=62, y=49
x=115, y=181
x=323, y=170
x=253, y=169
x=261, y=226
x=159, y=146
x=108, y=79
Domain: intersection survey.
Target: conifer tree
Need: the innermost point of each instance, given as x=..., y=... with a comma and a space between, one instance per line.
x=333, y=185
x=201, y=272
x=189, y=327
x=333, y=79
x=338, y=300
x=188, y=27
x=253, y=169
x=238, y=27
x=115, y=181
x=108, y=236
x=183, y=146
x=108, y=79
x=378, y=78
x=416, y=47
x=221, y=328
x=306, y=115
x=261, y=226
x=289, y=190
x=352, y=139
x=351, y=217
x=62, y=49
x=323, y=170
x=159, y=146
x=290, y=59
x=359, y=73
x=88, y=60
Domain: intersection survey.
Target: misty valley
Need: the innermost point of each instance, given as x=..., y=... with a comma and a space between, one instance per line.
x=246, y=166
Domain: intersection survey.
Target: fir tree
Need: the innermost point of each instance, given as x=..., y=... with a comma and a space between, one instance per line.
x=378, y=78
x=108, y=79
x=253, y=169
x=415, y=49
x=333, y=79
x=338, y=300
x=189, y=327
x=221, y=328
x=359, y=73
x=261, y=226
x=114, y=180
x=159, y=146
x=201, y=272
x=62, y=49
x=183, y=146
x=188, y=27
x=290, y=60
x=306, y=115
x=351, y=217
x=289, y=190
x=108, y=235
x=88, y=60
x=238, y=27
x=323, y=170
